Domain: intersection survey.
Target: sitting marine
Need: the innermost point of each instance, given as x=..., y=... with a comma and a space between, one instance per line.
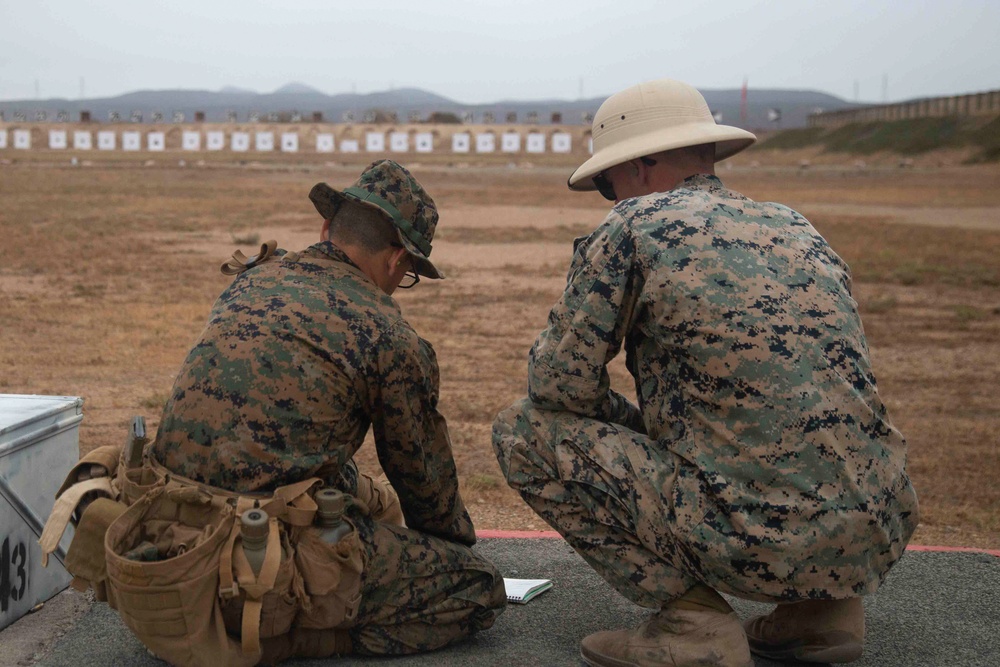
x=210, y=542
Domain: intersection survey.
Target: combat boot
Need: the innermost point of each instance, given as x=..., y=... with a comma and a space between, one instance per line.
x=810, y=631
x=699, y=628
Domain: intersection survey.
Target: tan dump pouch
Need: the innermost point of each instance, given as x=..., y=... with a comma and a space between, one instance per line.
x=85, y=559
x=331, y=574
x=172, y=605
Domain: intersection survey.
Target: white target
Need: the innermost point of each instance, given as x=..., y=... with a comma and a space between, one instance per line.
x=349, y=146
x=131, y=141
x=3, y=138
x=510, y=142
x=240, y=142
x=374, y=142
x=22, y=139
x=535, y=142
x=399, y=142
x=191, y=140
x=105, y=140
x=561, y=142
x=324, y=143
x=460, y=143
x=424, y=142
x=215, y=141
x=265, y=141
x=155, y=141
x=290, y=142
x=486, y=142
x=57, y=139
x=82, y=140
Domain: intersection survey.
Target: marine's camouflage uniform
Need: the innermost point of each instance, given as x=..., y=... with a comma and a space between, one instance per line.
x=761, y=460
x=297, y=360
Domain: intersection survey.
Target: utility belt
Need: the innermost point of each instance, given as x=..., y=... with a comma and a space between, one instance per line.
x=167, y=553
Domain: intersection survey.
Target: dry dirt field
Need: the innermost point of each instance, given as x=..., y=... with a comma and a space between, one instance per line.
x=108, y=269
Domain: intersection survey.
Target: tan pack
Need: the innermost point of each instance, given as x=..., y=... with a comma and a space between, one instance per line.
x=197, y=601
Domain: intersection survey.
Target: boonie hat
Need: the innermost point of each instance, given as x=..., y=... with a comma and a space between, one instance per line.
x=388, y=187
x=651, y=117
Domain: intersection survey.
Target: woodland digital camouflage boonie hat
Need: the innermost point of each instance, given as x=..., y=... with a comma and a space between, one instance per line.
x=388, y=187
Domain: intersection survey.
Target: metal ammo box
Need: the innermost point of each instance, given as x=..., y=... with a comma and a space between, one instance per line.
x=39, y=443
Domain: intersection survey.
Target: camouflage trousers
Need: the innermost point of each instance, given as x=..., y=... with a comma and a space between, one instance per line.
x=605, y=489
x=420, y=592
x=651, y=524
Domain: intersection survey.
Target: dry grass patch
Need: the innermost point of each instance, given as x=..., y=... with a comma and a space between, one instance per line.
x=108, y=273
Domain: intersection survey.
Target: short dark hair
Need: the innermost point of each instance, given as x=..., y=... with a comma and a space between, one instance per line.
x=363, y=227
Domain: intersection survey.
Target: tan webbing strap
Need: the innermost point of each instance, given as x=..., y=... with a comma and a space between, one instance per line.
x=227, y=587
x=255, y=587
x=240, y=263
x=63, y=509
x=293, y=504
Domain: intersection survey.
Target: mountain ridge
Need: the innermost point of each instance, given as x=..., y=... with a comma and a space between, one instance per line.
x=298, y=98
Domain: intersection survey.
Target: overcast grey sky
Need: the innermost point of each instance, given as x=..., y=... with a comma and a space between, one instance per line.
x=478, y=51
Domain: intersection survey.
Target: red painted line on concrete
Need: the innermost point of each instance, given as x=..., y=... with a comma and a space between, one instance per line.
x=975, y=550
x=551, y=534
x=519, y=534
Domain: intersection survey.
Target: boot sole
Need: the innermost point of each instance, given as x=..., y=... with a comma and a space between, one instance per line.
x=845, y=651
x=598, y=660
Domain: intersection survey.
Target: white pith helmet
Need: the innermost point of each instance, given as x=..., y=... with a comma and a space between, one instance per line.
x=652, y=117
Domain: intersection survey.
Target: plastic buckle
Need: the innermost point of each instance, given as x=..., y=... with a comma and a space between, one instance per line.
x=229, y=593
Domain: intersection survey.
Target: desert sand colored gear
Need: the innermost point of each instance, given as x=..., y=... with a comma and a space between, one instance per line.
x=652, y=117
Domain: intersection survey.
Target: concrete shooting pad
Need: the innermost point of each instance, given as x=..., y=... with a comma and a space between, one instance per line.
x=937, y=608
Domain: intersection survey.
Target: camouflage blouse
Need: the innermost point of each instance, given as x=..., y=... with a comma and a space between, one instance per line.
x=300, y=355
x=749, y=360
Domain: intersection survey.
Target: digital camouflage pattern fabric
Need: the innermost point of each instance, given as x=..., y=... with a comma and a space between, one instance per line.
x=297, y=360
x=760, y=460
x=300, y=356
x=390, y=188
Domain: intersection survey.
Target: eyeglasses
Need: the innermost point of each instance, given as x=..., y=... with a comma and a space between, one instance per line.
x=604, y=185
x=410, y=278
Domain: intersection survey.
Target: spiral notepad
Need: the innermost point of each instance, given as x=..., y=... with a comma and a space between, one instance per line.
x=523, y=590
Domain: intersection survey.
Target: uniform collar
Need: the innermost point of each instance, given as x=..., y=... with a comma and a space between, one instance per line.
x=700, y=181
x=327, y=250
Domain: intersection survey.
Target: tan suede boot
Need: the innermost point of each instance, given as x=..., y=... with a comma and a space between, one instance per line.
x=699, y=628
x=810, y=631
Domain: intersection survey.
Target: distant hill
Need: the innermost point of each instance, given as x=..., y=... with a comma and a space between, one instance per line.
x=297, y=98
x=979, y=136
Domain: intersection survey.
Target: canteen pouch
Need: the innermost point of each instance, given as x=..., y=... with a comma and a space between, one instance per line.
x=331, y=575
x=172, y=605
x=278, y=605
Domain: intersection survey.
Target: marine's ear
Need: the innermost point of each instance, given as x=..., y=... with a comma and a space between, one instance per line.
x=324, y=233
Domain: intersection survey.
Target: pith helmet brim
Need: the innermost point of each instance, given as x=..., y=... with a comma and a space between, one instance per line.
x=650, y=118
